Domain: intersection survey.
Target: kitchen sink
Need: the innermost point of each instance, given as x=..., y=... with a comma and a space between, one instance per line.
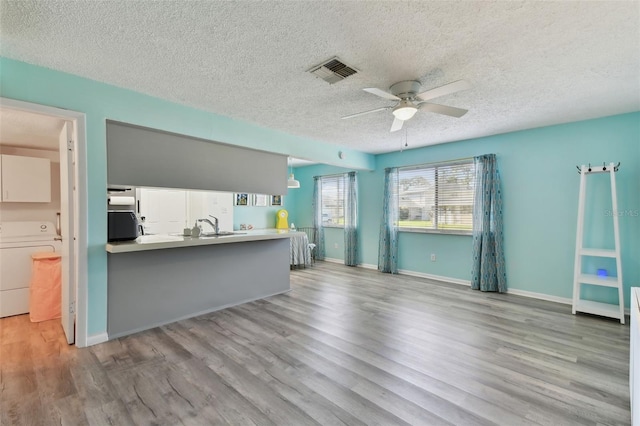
x=211, y=234
x=219, y=234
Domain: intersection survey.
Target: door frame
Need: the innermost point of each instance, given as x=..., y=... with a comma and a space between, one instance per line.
x=81, y=200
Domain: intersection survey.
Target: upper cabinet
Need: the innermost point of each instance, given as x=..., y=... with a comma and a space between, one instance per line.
x=25, y=179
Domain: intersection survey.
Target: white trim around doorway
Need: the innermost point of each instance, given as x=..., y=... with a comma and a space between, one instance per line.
x=79, y=120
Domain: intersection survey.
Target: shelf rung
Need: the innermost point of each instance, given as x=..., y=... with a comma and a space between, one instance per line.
x=598, y=252
x=598, y=308
x=598, y=280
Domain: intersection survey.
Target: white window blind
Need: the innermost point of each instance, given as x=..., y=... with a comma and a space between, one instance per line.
x=333, y=200
x=437, y=197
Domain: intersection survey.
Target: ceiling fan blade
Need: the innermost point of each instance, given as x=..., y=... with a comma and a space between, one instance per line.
x=365, y=112
x=381, y=93
x=396, y=125
x=443, y=109
x=456, y=86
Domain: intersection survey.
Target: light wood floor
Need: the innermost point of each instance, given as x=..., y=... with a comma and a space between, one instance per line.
x=346, y=346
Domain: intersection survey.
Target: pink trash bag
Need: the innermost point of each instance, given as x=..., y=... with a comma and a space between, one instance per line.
x=44, y=291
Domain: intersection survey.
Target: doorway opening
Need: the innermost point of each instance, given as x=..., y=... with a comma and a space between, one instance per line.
x=50, y=139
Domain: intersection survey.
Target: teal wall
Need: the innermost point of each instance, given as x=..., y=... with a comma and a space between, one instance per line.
x=540, y=186
x=259, y=217
x=100, y=102
x=302, y=211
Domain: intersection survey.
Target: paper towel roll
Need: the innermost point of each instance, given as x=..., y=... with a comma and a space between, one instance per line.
x=121, y=201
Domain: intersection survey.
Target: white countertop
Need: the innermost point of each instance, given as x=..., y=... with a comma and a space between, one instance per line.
x=157, y=242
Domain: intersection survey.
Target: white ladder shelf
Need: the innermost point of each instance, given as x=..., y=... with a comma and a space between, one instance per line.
x=579, y=278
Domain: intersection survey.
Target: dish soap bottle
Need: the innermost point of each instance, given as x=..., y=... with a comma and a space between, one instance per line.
x=195, y=231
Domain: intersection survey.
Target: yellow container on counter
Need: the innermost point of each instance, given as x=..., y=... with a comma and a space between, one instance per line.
x=281, y=219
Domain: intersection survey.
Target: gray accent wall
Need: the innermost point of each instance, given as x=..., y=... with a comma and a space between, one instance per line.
x=151, y=288
x=140, y=156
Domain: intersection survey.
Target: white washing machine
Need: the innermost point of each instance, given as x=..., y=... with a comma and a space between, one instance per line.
x=18, y=241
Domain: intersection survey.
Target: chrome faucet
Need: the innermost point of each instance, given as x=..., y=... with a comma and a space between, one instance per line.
x=213, y=224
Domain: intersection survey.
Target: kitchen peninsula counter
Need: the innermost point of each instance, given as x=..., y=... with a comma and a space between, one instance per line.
x=158, y=279
x=165, y=241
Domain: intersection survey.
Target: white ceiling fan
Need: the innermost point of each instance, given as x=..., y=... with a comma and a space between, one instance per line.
x=409, y=100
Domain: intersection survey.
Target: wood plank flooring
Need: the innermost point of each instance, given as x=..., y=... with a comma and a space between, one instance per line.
x=345, y=346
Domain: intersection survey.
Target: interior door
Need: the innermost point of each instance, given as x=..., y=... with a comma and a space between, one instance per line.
x=67, y=231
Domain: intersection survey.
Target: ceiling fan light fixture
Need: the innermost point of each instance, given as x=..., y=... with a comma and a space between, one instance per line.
x=404, y=111
x=410, y=98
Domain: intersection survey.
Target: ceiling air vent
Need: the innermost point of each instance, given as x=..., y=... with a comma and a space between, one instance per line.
x=333, y=70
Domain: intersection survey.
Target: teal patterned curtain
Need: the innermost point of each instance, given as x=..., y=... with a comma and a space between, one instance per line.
x=388, y=249
x=351, y=220
x=488, y=271
x=317, y=217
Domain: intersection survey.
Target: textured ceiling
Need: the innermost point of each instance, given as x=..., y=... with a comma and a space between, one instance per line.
x=29, y=130
x=531, y=63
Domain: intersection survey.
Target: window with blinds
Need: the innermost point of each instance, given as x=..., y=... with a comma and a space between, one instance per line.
x=436, y=198
x=333, y=201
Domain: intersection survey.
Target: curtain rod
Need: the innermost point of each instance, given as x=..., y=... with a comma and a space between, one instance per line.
x=443, y=163
x=416, y=166
x=335, y=174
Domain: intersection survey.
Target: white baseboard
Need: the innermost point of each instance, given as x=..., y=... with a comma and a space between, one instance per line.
x=368, y=266
x=531, y=294
x=541, y=296
x=408, y=272
x=435, y=277
x=97, y=338
x=548, y=297
x=524, y=293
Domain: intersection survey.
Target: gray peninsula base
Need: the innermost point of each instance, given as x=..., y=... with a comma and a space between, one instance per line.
x=151, y=288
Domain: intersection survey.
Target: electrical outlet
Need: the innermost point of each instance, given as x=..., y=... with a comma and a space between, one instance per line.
x=335, y=245
x=433, y=257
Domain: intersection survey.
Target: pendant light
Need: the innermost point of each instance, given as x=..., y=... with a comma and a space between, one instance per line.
x=292, y=182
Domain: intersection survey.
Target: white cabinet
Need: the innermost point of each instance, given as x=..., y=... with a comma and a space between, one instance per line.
x=168, y=211
x=25, y=179
x=164, y=210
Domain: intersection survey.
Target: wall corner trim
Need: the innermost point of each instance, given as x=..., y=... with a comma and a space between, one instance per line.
x=94, y=339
